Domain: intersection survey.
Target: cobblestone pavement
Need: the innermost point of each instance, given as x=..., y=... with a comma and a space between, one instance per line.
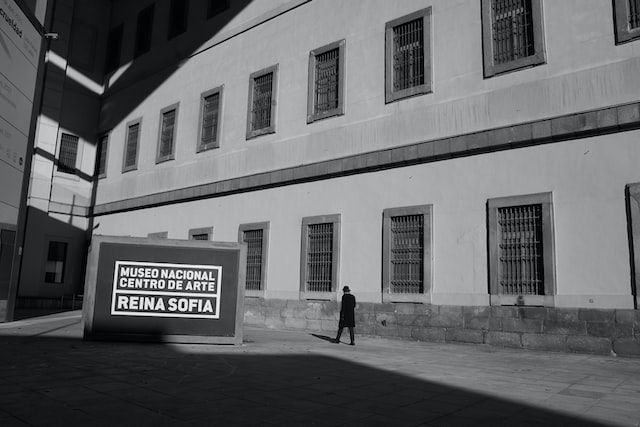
x=50, y=376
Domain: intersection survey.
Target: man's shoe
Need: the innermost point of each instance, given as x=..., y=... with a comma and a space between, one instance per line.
x=336, y=341
x=352, y=343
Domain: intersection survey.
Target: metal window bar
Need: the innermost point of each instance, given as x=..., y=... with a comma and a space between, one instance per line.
x=200, y=236
x=326, y=84
x=210, y=119
x=634, y=14
x=253, y=239
x=68, y=153
x=132, y=145
x=408, y=55
x=166, y=134
x=319, y=257
x=512, y=30
x=102, y=161
x=521, y=267
x=407, y=254
x=261, y=108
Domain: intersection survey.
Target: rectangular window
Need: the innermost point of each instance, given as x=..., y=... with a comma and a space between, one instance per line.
x=166, y=133
x=326, y=81
x=408, y=55
x=131, y=147
x=209, y=119
x=103, y=145
x=512, y=35
x=521, y=251
x=627, y=20
x=158, y=235
x=178, y=14
x=114, y=46
x=406, y=268
x=320, y=257
x=262, y=102
x=255, y=236
x=204, y=233
x=56, y=259
x=215, y=7
x=68, y=153
x=144, y=30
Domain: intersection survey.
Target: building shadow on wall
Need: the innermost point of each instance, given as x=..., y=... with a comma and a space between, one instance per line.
x=81, y=383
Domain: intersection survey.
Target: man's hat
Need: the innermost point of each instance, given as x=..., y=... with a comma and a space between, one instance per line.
x=346, y=289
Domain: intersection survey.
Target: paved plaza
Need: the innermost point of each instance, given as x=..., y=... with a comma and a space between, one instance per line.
x=49, y=376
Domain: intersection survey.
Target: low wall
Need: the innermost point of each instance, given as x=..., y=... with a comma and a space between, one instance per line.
x=580, y=330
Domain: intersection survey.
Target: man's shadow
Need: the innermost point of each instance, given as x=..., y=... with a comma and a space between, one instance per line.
x=324, y=337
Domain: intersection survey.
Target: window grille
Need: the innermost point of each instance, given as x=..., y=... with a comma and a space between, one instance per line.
x=56, y=257
x=210, y=110
x=408, y=55
x=512, y=24
x=634, y=14
x=102, y=160
x=319, y=257
x=143, y=31
x=407, y=262
x=261, y=108
x=68, y=153
x=200, y=236
x=520, y=247
x=132, y=146
x=166, y=134
x=327, y=80
x=253, y=239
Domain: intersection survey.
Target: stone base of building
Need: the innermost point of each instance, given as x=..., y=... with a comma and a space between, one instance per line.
x=580, y=330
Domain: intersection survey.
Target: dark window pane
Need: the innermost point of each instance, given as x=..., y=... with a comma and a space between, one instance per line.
x=143, y=31
x=319, y=257
x=200, y=236
x=102, y=153
x=178, y=17
x=408, y=55
x=634, y=14
x=262, y=97
x=68, y=153
x=407, y=254
x=209, y=131
x=512, y=30
x=520, y=250
x=166, y=134
x=56, y=259
x=215, y=7
x=132, y=146
x=326, y=83
x=114, y=46
x=253, y=239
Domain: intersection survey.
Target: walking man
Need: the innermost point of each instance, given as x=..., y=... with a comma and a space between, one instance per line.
x=347, y=315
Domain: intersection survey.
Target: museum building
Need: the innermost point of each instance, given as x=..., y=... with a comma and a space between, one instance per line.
x=468, y=168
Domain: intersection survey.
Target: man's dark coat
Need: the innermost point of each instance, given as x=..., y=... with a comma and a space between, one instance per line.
x=347, y=316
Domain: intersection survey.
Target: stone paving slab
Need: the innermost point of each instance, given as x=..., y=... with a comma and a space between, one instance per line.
x=50, y=376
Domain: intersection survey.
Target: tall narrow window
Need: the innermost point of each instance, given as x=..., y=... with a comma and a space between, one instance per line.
x=408, y=55
x=56, y=260
x=178, y=15
x=68, y=153
x=114, y=46
x=130, y=161
x=320, y=256
x=512, y=35
x=521, y=250
x=326, y=82
x=406, y=268
x=166, y=138
x=627, y=20
x=103, y=145
x=209, y=119
x=255, y=236
x=143, y=31
x=215, y=7
x=262, y=102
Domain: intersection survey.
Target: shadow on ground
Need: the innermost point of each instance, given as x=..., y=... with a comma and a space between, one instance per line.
x=58, y=381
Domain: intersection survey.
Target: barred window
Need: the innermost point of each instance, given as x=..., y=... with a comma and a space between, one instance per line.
x=521, y=250
x=178, y=11
x=209, y=119
x=521, y=268
x=326, y=80
x=320, y=256
x=102, y=155
x=167, y=134
x=143, y=31
x=131, y=147
x=512, y=34
x=253, y=239
x=408, y=55
x=68, y=153
x=202, y=236
x=406, y=268
x=627, y=20
x=261, y=115
x=203, y=233
x=56, y=260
